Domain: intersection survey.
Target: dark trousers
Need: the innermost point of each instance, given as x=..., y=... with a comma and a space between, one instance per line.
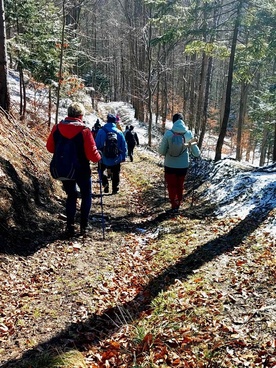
x=175, y=184
x=114, y=172
x=70, y=187
x=130, y=149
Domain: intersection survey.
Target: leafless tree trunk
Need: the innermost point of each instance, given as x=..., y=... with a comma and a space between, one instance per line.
x=264, y=145
x=200, y=94
x=185, y=86
x=49, y=106
x=164, y=99
x=242, y=111
x=192, y=88
x=23, y=101
x=224, y=124
x=149, y=81
x=60, y=77
x=157, y=108
x=4, y=93
x=249, y=142
x=206, y=101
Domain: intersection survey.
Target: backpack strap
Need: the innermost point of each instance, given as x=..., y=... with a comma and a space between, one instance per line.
x=108, y=131
x=182, y=134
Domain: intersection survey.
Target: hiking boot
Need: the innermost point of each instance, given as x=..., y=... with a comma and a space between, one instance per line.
x=106, y=188
x=84, y=229
x=173, y=211
x=83, y=226
x=69, y=232
x=115, y=190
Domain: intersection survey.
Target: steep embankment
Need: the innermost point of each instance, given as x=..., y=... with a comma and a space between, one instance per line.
x=27, y=195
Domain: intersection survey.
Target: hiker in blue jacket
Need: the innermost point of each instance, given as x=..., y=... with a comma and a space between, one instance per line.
x=110, y=164
x=176, y=167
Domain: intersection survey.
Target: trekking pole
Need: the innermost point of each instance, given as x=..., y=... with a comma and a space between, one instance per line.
x=101, y=199
x=195, y=174
x=165, y=188
x=164, y=182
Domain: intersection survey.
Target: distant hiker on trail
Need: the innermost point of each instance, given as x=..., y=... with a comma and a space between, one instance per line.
x=111, y=142
x=118, y=125
x=175, y=146
x=132, y=140
x=126, y=129
x=72, y=135
x=96, y=128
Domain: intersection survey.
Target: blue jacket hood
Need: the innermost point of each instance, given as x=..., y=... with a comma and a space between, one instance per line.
x=179, y=127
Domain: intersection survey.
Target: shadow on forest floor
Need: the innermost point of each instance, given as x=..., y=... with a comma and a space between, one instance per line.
x=101, y=326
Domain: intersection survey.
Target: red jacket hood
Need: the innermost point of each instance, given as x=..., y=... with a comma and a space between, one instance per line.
x=69, y=127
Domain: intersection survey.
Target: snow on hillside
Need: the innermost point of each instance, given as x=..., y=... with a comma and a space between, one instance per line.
x=237, y=189
x=240, y=189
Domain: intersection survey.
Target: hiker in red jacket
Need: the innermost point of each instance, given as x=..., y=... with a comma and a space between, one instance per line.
x=72, y=125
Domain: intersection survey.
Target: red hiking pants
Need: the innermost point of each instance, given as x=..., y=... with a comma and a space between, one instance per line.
x=175, y=188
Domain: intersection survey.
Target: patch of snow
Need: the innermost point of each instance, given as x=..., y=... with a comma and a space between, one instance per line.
x=239, y=189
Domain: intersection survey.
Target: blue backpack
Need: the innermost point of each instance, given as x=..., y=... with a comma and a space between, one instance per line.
x=66, y=161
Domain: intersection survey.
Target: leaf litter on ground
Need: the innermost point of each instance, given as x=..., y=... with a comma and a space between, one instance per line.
x=192, y=290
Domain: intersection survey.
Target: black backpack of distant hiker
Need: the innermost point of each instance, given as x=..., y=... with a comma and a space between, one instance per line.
x=130, y=138
x=110, y=149
x=176, y=144
x=66, y=160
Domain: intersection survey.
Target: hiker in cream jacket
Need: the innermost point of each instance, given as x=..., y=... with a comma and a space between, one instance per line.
x=176, y=167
